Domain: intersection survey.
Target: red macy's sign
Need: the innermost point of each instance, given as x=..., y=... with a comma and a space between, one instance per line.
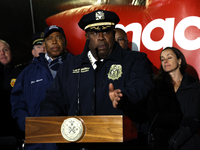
x=159, y=24
x=169, y=32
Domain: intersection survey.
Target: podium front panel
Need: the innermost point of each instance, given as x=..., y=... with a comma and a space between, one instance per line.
x=96, y=129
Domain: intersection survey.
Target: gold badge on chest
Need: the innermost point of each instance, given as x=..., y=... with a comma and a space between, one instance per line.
x=115, y=72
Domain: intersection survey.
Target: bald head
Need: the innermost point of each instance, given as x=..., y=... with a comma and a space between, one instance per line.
x=5, y=53
x=121, y=38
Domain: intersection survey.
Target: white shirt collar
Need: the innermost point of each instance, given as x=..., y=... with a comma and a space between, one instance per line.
x=92, y=60
x=49, y=59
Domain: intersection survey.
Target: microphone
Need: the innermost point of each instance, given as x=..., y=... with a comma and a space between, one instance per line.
x=94, y=88
x=78, y=111
x=97, y=53
x=98, y=61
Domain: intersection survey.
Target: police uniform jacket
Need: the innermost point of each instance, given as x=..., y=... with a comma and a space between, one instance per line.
x=128, y=70
x=8, y=125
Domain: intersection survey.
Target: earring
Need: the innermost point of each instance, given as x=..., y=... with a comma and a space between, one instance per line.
x=179, y=66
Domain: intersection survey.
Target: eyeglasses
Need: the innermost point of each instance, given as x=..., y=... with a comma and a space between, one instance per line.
x=121, y=40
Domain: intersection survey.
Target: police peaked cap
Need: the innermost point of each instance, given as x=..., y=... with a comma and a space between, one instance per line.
x=98, y=20
x=37, y=38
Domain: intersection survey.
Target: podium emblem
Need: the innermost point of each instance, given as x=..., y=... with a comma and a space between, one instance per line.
x=72, y=129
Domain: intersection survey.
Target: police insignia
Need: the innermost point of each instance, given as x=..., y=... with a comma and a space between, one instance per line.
x=12, y=82
x=99, y=15
x=115, y=72
x=85, y=69
x=42, y=35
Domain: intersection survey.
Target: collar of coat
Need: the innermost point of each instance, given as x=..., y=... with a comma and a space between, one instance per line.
x=188, y=82
x=42, y=58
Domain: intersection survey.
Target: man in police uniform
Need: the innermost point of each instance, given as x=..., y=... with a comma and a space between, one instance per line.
x=111, y=81
x=8, y=75
x=36, y=41
x=37, y=44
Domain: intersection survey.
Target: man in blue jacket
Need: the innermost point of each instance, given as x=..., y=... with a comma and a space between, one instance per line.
x=34, y=80
x=83, y=84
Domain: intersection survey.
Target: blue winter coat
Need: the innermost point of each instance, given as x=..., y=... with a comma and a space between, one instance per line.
x=29, y=91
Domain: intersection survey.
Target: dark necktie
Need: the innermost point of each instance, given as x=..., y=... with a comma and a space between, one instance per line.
x=99, y=64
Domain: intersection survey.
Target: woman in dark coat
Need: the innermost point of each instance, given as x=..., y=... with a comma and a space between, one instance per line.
x=174, y=104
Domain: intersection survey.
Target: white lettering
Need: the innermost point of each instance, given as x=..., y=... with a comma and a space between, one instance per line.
x=32, y=82
x=167, y=40
x=53, y=27
x=38, y=80
x=167, y=26
x=179, y=33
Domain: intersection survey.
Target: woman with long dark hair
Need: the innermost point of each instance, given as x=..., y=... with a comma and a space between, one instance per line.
x=174, y=104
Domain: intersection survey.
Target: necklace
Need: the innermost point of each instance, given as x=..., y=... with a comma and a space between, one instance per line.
x=177, y=86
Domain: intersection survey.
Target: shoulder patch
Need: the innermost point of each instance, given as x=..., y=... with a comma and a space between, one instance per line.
x=12, y=82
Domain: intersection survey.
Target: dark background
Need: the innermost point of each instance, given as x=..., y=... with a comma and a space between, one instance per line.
x=19, y=19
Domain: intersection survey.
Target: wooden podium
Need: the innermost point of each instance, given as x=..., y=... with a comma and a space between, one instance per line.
x=96, y=129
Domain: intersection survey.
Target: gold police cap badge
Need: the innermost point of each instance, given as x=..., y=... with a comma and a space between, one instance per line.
x=12, y=82
x=115, y=72
x=42, y=35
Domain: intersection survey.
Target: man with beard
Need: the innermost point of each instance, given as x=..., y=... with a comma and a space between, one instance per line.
x=35, y=79
x=111, y=81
